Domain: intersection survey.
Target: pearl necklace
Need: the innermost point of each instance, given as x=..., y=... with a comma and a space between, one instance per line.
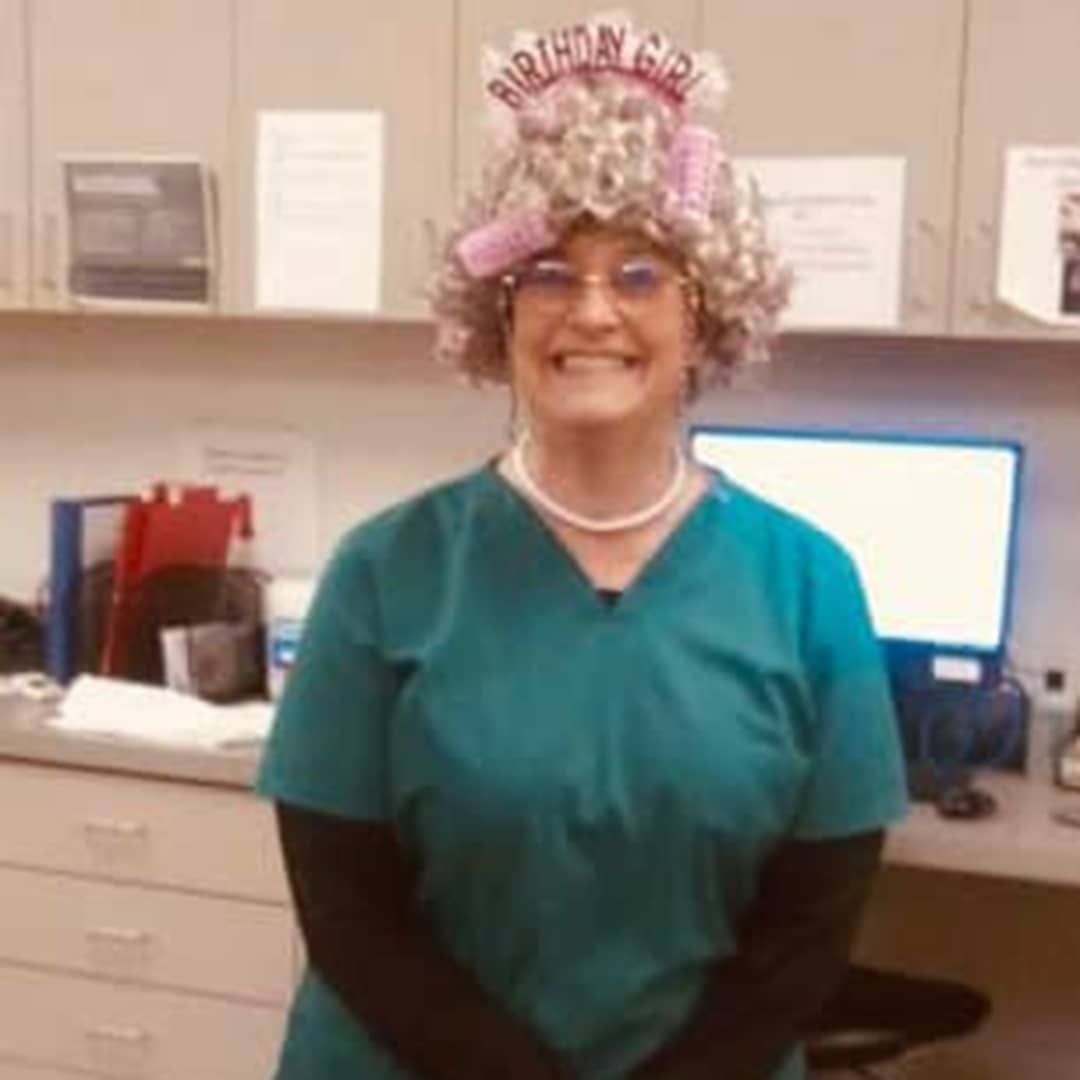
x=598, y=525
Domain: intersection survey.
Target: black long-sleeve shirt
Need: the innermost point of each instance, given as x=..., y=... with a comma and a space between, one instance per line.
x=352, y=888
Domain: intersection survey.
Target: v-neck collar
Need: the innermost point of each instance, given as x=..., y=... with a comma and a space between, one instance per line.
x=688, y=525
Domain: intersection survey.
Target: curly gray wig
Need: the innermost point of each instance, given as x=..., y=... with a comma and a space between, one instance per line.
x=606, y=146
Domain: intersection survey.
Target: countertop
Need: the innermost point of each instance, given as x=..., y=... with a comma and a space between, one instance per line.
x=1021, y=840
x=25, y=735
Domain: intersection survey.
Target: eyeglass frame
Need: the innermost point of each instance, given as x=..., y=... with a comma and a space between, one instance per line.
x=511, y=283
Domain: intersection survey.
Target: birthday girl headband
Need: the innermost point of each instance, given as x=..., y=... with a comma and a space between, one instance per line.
x=528, y=90
x=607, y=44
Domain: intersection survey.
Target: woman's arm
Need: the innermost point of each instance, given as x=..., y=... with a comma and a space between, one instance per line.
x=794, y=945
x=351, y=888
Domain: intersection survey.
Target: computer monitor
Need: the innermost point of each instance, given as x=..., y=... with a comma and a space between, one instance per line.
x=930, y=523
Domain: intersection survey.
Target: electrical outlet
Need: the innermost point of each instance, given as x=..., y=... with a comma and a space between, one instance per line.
x=1054, y=681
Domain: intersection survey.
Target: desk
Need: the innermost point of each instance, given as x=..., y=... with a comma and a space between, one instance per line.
x=994, y=903
x=1020, y=841
x=990, y=902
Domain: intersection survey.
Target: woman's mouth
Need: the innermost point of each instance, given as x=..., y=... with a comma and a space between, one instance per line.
x=592, y=363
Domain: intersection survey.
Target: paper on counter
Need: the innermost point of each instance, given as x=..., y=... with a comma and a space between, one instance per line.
x=274, y=465
x=839, y=221
x=319, y=209
x=1039, y=257
x=94, y=705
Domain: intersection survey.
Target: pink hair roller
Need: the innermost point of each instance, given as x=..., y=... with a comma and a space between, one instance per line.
x=494, y=247
x=692, y=168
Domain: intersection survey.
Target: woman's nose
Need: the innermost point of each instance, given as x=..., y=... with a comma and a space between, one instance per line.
x=594, y=303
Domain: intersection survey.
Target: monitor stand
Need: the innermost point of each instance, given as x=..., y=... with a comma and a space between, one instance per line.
x=950, y=726
x=927, y=780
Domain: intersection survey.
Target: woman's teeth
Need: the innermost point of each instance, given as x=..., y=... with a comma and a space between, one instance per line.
x=580, y=363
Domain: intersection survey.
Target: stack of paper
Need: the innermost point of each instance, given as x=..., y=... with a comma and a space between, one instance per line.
x=100, y=706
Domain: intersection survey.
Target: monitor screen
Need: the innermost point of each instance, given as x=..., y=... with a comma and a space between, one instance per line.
x=930, y=522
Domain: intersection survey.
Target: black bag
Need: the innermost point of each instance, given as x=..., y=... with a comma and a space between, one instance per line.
x=22, y=638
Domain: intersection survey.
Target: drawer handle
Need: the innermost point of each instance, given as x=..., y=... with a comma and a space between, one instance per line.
x=128, y=829
x=925, y=248
x=981, y=249
x=119, y=934
x=114, y=1033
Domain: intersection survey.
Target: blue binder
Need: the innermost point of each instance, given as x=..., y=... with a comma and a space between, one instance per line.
x=84, y=535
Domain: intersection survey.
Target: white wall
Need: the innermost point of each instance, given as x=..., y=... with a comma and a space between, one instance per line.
x=90, y=405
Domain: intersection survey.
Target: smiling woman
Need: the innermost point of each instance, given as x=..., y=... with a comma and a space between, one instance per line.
x=584, y=762
x=600, y=331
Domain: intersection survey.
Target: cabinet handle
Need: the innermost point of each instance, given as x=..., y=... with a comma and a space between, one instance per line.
x=7, y=250
x=981, y=249
x=50, y=233
x=927, y=235
x=119, y=934
x=128, y=829
x=117, y=1034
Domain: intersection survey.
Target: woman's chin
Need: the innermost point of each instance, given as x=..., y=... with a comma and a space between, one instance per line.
x=583, y=409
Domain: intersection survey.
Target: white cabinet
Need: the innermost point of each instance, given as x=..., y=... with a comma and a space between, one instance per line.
x=146, y=928
x=116, y=76
x=14, y=117
x=395, y=59
x=945, y=84
x=1020, y=89
x=843, y=77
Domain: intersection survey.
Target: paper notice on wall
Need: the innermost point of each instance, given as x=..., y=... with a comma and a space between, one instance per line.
x=319, y=210
x=839, y=222
x=1039, y=256
x=277, y=468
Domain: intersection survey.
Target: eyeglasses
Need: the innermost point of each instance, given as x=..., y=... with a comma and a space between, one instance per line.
x=551, y=285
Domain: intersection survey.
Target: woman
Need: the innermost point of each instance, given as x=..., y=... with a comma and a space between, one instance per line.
x=585, y=762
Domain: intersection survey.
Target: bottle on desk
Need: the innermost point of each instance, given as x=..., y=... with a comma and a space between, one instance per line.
x=286, y=605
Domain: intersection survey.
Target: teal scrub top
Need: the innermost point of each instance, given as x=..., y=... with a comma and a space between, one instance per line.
x=589, y=789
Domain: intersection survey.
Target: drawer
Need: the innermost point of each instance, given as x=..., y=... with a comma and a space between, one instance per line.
x=131, y=829
x=231, y=947
x=116, y=1031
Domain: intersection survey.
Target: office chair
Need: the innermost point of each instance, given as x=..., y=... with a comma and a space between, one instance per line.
x=877, y=1017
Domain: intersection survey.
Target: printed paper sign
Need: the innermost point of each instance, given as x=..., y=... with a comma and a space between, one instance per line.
x=839, y=223
x=319, y=206
x=1039, y=259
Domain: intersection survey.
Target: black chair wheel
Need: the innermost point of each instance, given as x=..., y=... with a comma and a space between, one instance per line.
x=854, y=1047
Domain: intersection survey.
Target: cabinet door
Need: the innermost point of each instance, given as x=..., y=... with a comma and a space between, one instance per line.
x=116, y=76
x=847, y=77
x=1022, y=59
x=492, y=23
x=14, y=201
x=340, y=55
